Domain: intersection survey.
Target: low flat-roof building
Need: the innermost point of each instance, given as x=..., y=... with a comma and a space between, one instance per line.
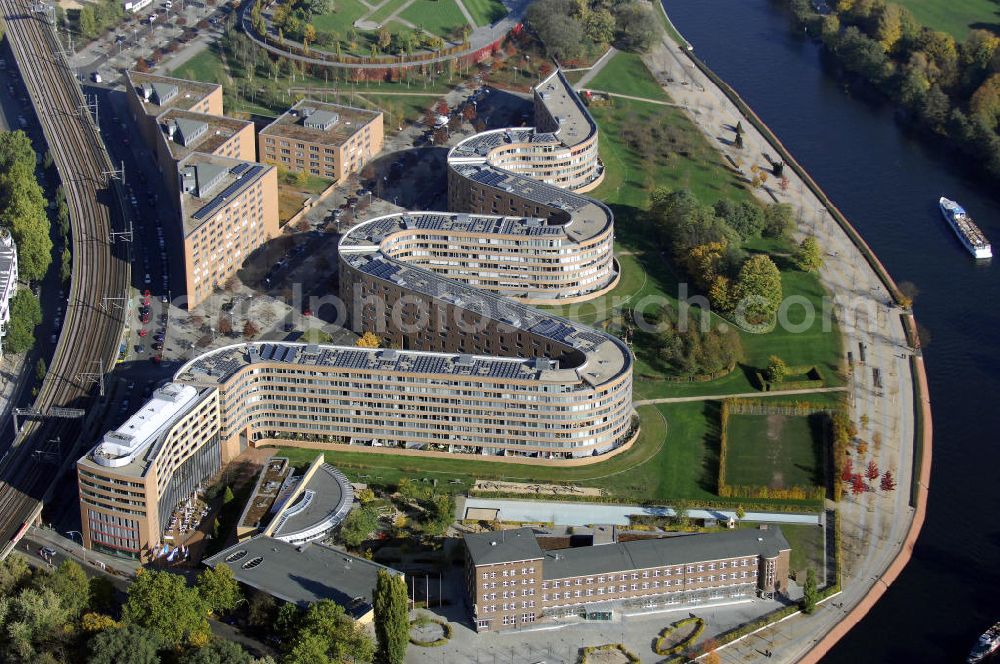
x=228, y=208
x=304, y=574
x=182, y=133
x=653, y=573
x=150, y=95
x=8, y=279
x=296, y=508
x=327, y=140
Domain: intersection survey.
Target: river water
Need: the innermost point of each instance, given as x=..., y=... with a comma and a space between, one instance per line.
x=888, y=183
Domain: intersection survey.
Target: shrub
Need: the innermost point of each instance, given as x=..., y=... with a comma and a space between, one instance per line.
x=424, y=620
x=689, y=640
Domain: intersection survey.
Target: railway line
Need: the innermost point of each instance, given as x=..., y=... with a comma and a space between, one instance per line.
x=95, y=310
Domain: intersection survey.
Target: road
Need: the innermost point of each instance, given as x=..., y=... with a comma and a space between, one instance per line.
x=89, y=336
x=873, y=525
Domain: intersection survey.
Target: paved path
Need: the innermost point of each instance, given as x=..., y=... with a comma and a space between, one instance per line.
x=873, y=525
x=742, y=395
x=596, y=68
x=583, y=513
x=647, y=100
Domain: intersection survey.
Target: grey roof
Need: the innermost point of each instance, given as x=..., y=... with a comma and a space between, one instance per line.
x=505, y=546
x=190, y=130
x=325, y=501
x=677, y=550
x=163, y=92
x=209, y=175
x=303, y=574
x=321, y=119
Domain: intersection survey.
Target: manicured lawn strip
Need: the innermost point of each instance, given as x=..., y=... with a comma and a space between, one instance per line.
x=485, y=12
x=674, y=441
x=207, y=66
x=792, y=457
x=956, y=16
x=341, y=19
x=440, y=17
x=807, y=550
x=626, y=74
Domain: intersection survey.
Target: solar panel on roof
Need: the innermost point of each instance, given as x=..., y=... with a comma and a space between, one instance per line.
x=239, y=168
x=267, y=351
x=221, y=198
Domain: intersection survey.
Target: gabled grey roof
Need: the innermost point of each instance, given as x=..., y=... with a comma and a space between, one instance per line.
x=677, y=550
x=190, y=130
x=163, y=92
x=503, y=547
x=208, y=175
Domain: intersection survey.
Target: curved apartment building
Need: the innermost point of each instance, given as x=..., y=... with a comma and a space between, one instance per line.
x=471, y=367
x=534, y=173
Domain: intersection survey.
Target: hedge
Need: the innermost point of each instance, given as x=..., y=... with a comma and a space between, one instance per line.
x=445, y=625
x=588, y=650
x=688, y=641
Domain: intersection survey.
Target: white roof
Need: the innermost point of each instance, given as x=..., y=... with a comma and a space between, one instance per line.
x=121, y=446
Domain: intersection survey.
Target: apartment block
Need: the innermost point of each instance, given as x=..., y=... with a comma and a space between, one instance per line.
x=512, y=582
x=182, y=133
x=131, y=481
x=150, y=95
x=326, y=140
x=228, y=208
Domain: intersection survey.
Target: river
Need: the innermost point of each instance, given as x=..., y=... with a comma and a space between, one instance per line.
x=888, y=183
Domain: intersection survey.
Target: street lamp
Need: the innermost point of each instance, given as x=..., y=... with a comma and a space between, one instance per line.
x=83, y=549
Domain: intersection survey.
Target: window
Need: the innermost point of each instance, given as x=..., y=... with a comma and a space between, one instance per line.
x=483, y=624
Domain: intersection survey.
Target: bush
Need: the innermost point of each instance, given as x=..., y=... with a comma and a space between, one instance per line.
x=689, y=640
x=445, y=626
x=589, y=650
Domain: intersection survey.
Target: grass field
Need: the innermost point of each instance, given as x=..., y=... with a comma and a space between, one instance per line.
x=807, y=549
x=956, y=16
x=776, y=451
x=387, y=9
x=441, y=17
x=340, y=21
x=206, y=66
x=486, y=12
x=627, y=75
x=672, y=462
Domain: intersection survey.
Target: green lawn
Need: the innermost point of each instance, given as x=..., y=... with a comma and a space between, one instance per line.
x=776, y=451
x=486, y=12
x=956, y=16
x=440, y=17
x=387, y=9
x=626, y=74
x=341, y=19
x=807, y=548
x=675, y=457
x=207, y=66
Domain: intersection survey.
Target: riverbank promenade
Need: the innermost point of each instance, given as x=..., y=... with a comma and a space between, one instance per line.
x=877, y=526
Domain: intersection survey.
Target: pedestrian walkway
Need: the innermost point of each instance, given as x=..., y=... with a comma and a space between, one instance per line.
x=596, y=68
x=584, y=514
x=741, y=395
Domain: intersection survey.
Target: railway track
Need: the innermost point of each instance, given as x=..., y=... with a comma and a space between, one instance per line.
x=88, y=341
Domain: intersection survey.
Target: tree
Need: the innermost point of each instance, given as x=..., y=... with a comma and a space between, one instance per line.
x=25, y=315
x=847, y=471
x=600, y=26
x=858, y=485
x=368, y=340
x=779, y=220
x=33, y=623
x=740, y=512
x=225, y=324
x=758, y=289
x=810, y=593
x=219, y=651
x=746, y=218
x=635, y=27
x=249, y=330
x=808, y=257
x=97, y=622
x=384, y=38
x=888, y=482
x=228, y=496
x=872, y=472
x=985, y=102
x=339, y=636
x=218, y=588
x=358, y=525
x=69, y=583
x=163, y=603
x=392, y=621
x=308, y=35
x=776, y=370
x=86, y=22
x=14, y=575
x=555, y=26
x=124, y=645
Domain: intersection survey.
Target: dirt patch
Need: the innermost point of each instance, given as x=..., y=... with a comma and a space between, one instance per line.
x=534, y=489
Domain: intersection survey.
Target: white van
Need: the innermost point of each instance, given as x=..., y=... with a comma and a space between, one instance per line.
x=96, y=76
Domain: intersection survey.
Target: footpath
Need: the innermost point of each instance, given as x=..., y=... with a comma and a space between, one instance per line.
x=875, y=525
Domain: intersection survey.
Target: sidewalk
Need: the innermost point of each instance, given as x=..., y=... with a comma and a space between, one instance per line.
x=112, y=564
x=743, y=395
